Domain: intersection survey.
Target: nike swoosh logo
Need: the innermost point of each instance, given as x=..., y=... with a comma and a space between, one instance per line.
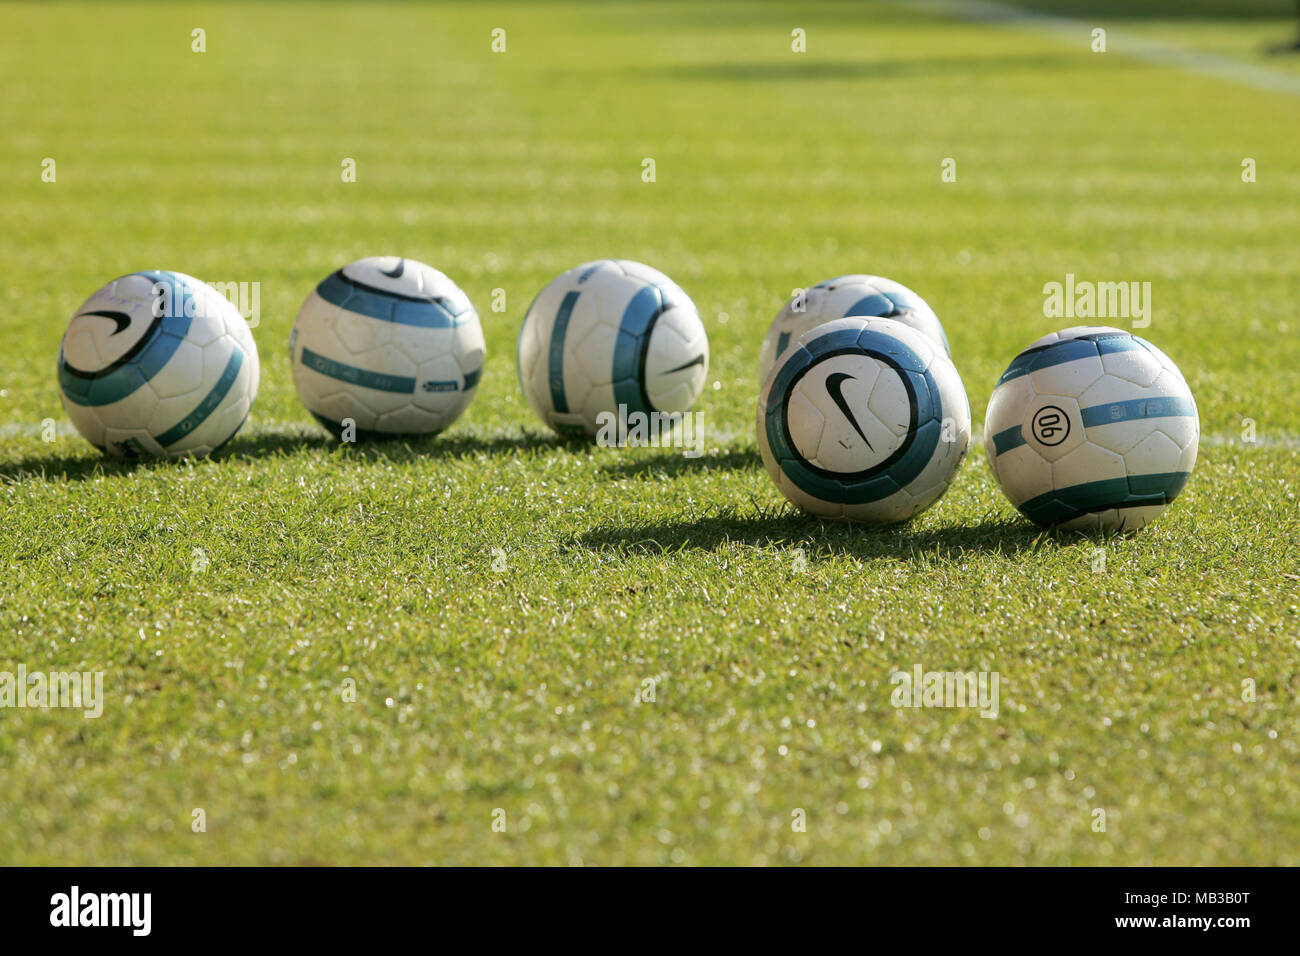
x=120, y=319
x=396, y=273
x=698, y=360
x=834, y=388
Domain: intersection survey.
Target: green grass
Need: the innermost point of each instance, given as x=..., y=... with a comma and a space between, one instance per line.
x=478, y=689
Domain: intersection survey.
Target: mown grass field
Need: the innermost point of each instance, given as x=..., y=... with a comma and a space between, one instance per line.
x=508, y=679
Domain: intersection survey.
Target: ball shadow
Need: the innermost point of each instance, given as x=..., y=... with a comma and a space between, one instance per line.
x=785, y=527
x=90, y=464
x=676, y=464
x=804, y=69
x=73, y=467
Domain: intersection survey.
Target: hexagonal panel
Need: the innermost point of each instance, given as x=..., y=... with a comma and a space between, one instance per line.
x=1087, y=463
x=1053, y=426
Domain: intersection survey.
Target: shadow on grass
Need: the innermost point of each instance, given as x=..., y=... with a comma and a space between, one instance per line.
x=87, y=464
x=72, y=467
x=787, y=528
x=801, y=68
x=676, y=464
x=1290, y=48
x=396, y=448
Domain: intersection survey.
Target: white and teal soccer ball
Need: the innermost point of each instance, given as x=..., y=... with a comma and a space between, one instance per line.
x=158, y=364
x=859, y=295
x=1092, y=428
x=863, y=419
x=608, y=335
x=384, y=347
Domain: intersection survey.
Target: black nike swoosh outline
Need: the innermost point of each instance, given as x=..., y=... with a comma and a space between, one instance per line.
x=120, y=319
x=128, y=356
x=698, y=360
x=880, y=467
x=365, y=287
x=396, y=273
x=834, y=386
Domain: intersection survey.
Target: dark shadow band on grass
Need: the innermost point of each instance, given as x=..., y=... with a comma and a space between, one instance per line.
x=389, y=448
x=804, y=69
x=785, y=527
x=673, y=464
x=89, y=464
x=81, y=466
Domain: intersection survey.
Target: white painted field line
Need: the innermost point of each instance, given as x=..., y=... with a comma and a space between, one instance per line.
x=1118, y=42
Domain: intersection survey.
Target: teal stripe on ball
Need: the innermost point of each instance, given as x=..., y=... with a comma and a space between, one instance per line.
x=1163, y=406
x=356, y=376
x=216, y=395
x=1069, y=350
x=555, y=354
x=337, y=289
x=634, y=331
x=1065, y=504
x=883, y=305
x=1008, y=439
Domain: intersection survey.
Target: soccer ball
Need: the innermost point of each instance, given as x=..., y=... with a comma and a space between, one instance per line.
x=386, y=346
x=158, y=363
x=847, y=296
x=608, y=334
x=864, y=419
x=1091, y=428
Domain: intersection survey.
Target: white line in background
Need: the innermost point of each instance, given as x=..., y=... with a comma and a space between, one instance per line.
x=1117, y=42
